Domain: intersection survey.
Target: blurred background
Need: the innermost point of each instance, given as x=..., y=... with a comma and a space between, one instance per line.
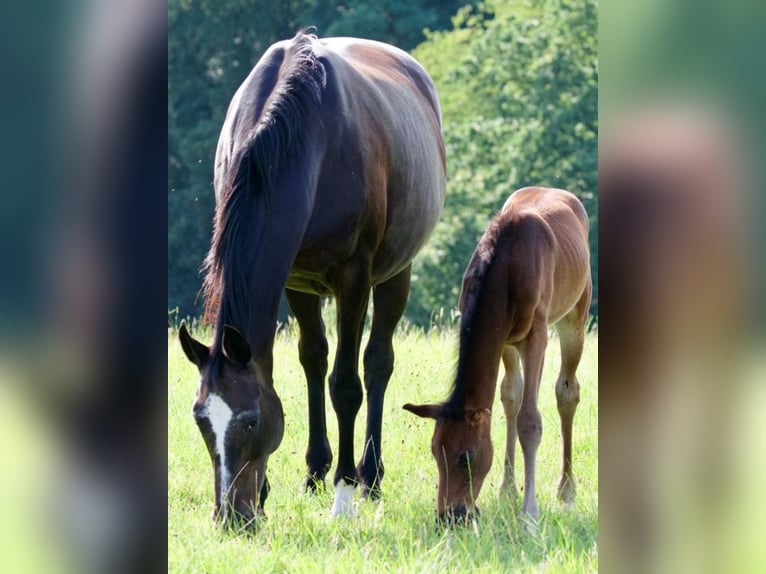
x=681, y=369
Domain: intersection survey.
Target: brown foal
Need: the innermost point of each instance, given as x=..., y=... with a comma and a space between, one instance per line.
x=530, y=269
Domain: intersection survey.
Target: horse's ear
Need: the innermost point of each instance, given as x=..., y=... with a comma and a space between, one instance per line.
x=195, y=351
x=425, y=411
x=235, y=346
x=474, y=417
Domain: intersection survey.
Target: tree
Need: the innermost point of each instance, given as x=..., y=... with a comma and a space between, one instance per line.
x=519, y=90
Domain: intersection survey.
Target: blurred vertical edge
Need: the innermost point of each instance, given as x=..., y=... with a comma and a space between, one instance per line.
x=83, y=248
x=681, y=371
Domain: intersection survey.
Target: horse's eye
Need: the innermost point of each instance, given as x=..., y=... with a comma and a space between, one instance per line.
x=249, y=419
x=465, y=459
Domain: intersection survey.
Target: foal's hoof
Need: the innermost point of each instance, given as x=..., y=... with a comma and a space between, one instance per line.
x=510, y=489
x=528, y=523
x=566, y=491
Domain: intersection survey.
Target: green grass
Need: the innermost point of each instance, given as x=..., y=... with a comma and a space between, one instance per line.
x=397, y=534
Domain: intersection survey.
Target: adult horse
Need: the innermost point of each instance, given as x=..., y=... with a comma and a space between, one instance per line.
x=329, y=178
x=530, y=269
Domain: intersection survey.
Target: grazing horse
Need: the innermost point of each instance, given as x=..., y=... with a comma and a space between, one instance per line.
x=530, y=269
x=329, y=178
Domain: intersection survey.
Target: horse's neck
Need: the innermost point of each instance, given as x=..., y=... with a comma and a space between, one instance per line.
x=258, y=319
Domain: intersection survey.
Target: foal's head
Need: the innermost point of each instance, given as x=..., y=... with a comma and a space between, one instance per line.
x=241, y=421
x=462, y=448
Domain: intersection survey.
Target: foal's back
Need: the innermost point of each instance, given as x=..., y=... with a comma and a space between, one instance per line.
x=541, y=255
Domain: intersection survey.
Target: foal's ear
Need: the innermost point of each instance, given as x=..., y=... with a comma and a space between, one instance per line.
x=425, y=411
x=235, y=346
x=195, y=351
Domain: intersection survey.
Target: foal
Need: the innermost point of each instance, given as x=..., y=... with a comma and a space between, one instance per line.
x=530, y=269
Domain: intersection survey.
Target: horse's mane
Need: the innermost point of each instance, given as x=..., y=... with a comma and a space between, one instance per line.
x=480, y=264
x=272, y=150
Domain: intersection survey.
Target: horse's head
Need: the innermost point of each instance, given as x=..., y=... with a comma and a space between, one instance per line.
x=462, y=448
x=241, y=421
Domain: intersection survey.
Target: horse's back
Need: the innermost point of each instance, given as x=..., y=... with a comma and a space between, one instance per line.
x=392, y=70
x=362, y=168
x=550, y=228
x=390, y=106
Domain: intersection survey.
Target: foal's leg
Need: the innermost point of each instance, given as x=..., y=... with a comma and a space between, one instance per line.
x=312, y=350
x=511, y=392
x=530, y=423
x=389, y=299
x=352, y=295
x=571, y=330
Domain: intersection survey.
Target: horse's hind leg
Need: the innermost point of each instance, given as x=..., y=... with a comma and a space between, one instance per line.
x=571, y=330
x=312, y=350
x=511, y=392
x=352, y=292
x=389, y=300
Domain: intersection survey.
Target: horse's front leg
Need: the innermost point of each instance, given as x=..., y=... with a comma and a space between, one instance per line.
x=389, y=300
x=312, y=351
x=352, y=294
x=511, y=393
x=529, y=422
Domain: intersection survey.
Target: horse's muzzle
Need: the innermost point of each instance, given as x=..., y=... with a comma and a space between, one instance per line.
x=240, y=517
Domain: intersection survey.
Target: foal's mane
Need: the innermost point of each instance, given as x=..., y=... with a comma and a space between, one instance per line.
x=480, y=264
x=277, y=144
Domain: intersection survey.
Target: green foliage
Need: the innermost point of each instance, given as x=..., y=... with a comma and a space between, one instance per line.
x=398, y=533
x=518, y=84
x=398, y=22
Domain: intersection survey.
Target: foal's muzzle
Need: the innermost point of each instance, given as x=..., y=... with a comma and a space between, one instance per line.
x=458, y=516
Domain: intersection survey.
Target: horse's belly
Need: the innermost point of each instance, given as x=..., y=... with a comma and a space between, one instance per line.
x=311, y=283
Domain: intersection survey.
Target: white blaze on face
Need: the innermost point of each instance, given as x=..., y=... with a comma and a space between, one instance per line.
x=219, y=414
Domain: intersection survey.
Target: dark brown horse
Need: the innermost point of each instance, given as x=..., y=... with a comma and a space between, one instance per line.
x=530, y=269
x=329, y=178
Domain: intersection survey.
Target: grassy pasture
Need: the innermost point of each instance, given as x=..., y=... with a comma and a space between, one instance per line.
x=397, y=534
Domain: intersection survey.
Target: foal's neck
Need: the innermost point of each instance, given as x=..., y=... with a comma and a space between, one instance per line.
x=480, y=353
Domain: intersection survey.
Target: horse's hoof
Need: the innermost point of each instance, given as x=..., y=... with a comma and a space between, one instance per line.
x=371, y=492
x=313, y=484
x=343, y=505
